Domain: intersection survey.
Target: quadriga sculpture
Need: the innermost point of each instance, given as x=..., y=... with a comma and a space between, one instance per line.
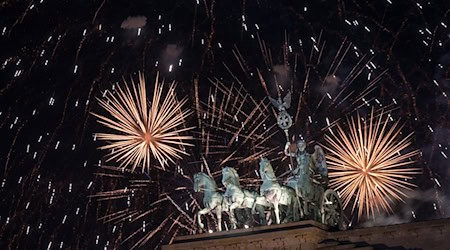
x=306, y=195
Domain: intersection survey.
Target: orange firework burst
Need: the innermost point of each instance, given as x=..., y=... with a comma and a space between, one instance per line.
x=366, y=166
x=142, y=132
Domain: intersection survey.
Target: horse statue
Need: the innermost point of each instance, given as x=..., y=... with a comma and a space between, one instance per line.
x=212, y=200
x=277, y=194
x=241, y=198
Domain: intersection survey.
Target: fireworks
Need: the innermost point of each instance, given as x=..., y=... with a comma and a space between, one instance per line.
x=235, y=127
x=157, y=216
x=141, y=132
x=334, y=60
x=367, y=166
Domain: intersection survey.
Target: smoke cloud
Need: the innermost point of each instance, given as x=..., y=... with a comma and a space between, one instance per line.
x=134, y=22
x=416, y=199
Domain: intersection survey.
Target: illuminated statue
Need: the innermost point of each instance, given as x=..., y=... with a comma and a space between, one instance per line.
x=301, y=176
x=305, y=195
x=309, y=179
x=241, y=198
x=307, y=162
x=284, y=120
x=277, y=194
x=212, y=200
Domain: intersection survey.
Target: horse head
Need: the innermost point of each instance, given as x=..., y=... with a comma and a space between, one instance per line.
x=230, y=176
x=197, y=184
x=266, y=170
x=204, y=182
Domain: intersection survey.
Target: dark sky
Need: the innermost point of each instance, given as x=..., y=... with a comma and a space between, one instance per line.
x=57, y=57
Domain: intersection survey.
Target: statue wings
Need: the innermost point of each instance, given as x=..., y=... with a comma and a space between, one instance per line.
x=282, y=104
x=320, y=163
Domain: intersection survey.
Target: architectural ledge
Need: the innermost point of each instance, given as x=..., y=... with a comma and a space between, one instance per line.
x=313, y=235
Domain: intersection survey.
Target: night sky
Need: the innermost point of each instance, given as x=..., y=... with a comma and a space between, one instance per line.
x=337, y=57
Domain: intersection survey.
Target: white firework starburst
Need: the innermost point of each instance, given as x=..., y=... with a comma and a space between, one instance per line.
x=144, y=131
x=367, y=166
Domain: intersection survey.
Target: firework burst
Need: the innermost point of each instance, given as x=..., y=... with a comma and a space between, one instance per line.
x=142, y=132
x=235, y=126
x=366, y=165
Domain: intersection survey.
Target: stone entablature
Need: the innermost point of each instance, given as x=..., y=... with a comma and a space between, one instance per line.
x=307, y=235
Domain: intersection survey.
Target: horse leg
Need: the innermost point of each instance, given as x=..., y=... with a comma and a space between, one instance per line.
x=296, y=211
x=290, y=212
x=249, y=217
x=262, y=215
x=219, y=217
x=259, y=206
x=277, y=212
x=269, y=218
x=233, y=216
x=199, y=218
x=305, y=208
x=300, y=209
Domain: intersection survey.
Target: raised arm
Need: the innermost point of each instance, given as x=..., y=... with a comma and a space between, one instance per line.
x=287, y=150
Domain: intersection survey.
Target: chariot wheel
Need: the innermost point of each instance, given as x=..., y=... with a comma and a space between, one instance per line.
x=331, y=209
